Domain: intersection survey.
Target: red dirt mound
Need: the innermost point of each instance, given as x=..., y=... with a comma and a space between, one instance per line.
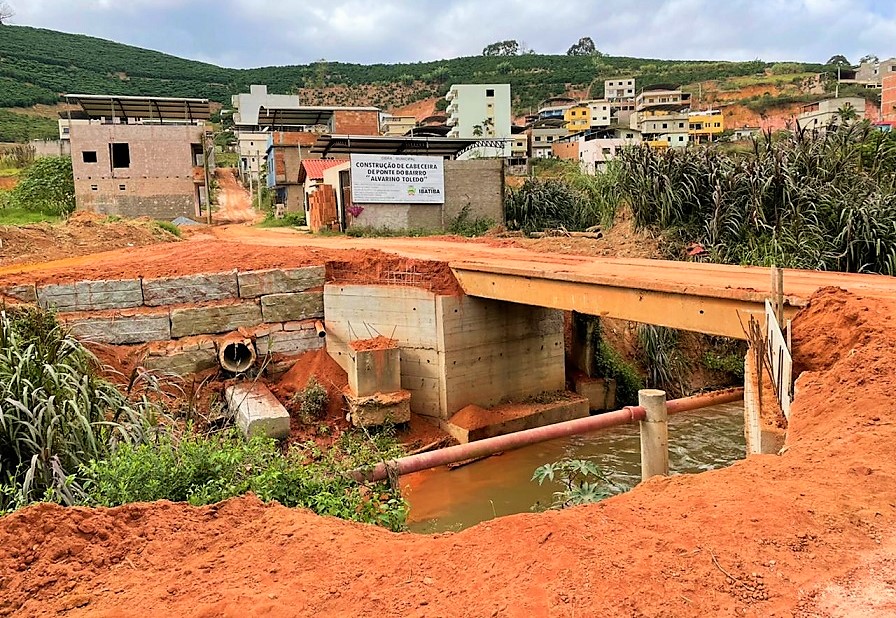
x=807, y=533
x=377, y=343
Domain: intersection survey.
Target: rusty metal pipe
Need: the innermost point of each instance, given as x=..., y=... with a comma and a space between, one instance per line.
x=508, y=442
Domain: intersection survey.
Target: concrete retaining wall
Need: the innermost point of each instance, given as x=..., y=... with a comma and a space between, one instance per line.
x=188, y=312
x=454, y=351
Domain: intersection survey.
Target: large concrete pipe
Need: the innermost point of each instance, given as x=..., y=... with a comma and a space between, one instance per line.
x=499, y=444
x=236, y=353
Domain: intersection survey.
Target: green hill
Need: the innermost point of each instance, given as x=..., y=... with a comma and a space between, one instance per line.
x=37, y=65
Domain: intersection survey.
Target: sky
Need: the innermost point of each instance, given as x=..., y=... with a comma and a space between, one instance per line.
x=253, y=33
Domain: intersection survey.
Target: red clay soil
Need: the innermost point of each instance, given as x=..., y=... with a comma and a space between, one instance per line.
x=320, y=366
x=807, y=533
x=377, y=343
x=82, y=234
x=209, y=256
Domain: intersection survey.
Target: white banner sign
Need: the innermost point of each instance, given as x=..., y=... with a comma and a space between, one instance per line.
x=397, y=179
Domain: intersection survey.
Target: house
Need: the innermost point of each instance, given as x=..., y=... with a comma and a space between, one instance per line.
x=706, y=126
x=141, y=156
x=588, y=115
x=397, y=126
x=818, y=115
x=888, y=99
x=594, y=148
x=554, y=108
x=285, y=152
x=311, y=176
x=664, y=129
x=662, y=99
x=543, y=134
x=744, y=133
x=618, y=89
x=871, y=73
x=481, y=111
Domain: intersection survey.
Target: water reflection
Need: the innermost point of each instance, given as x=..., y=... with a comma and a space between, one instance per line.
x=445, y=499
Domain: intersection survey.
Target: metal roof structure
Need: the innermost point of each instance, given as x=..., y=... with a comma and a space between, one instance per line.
x=329, y=145
x=302, y=116
x=144, y=108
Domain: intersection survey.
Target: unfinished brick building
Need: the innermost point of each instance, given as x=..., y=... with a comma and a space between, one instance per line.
x=140, y=156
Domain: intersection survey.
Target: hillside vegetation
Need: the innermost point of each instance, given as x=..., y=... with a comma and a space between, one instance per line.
x=37, y=65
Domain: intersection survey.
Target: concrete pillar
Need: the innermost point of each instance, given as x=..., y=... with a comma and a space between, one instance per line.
x=752, y=403
x=585, y=339
x=654, y=434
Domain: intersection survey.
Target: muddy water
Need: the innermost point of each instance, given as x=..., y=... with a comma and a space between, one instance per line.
x=445, y=499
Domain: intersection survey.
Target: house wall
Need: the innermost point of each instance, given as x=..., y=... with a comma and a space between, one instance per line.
x=477, y=184
x=566, y=150
x=159, y=181
x=888, y=99
x=356, y=122
x=469, y=106
x=619, y=89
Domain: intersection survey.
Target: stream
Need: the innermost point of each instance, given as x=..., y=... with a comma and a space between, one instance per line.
x=451, y=500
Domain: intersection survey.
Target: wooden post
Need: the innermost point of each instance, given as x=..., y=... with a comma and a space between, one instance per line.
x=654, y=434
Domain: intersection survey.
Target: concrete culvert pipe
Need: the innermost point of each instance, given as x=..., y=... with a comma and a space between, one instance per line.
x=236, y=354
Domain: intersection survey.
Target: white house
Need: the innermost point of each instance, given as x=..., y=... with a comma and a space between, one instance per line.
x=481, y=110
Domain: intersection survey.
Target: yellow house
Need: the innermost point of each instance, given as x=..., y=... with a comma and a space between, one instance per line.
x=578, y=118
x=706, y=125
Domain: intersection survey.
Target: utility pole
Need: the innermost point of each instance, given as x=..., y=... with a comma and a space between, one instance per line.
x=208, y=184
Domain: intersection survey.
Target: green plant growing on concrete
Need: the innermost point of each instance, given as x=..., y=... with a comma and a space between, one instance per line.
x=56, y=414
x=312, y=401
x=574, y=476
x=610, y=364
x=466, y=225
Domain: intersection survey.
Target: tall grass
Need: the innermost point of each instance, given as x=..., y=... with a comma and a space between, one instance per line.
x=56, y=414
x=824, y=201
x=569, y=199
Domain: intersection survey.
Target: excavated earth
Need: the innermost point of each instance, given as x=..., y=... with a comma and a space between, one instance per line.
x=806, y=533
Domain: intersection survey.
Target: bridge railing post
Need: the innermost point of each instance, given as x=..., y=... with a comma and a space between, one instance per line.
x=654, y=434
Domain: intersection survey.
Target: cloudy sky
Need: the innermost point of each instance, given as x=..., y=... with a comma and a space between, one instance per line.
x=251, y=33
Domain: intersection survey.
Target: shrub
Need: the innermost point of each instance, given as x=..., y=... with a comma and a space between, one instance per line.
x=665, y=365
x=312, y=401
x=169, y=227
x=206, y=469
x=573, y=475
x=465, y=225
x=46, y=186
x=55, y=412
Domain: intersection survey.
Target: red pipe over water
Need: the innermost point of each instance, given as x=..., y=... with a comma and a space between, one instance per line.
x=499, y=444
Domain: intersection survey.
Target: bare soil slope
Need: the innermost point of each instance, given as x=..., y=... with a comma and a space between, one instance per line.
x=808, y=533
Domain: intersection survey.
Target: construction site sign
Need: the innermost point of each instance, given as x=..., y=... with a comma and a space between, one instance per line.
x=397, y=179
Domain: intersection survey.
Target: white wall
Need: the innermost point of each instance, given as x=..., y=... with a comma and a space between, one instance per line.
x=469, y=106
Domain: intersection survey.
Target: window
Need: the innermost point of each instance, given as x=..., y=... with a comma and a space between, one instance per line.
x=681, y=138
x=89, y=156
x=718, y=125
x=665, y=125
x=680, y=125
x=122, y=188
x=490, y=92
x=607, y=152
x=537, y=138
x=66, y=130
x=121, y=155
x=94, y=188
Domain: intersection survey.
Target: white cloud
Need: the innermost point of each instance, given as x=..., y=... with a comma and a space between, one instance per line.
x=246, y=33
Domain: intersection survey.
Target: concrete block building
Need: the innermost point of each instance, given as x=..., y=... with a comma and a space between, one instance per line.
x=822, y=113
x=140, y=156
x=888, y=99
x=482, y=111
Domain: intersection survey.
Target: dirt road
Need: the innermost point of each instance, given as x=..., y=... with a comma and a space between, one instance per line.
x=234, y=201
x=809, y=533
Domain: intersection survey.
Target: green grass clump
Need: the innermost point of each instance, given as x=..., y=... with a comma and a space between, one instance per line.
x=207, y=469
x=291, y=219
x=56, y=413
x=19, y=216
x=168, y=226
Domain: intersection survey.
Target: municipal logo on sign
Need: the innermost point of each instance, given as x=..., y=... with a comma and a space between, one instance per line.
x=412, y=191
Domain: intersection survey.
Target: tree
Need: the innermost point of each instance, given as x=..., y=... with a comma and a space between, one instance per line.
x=502, y=48
x=873, y=59
x=585, y=47
x=6, y=12
x=839, y=59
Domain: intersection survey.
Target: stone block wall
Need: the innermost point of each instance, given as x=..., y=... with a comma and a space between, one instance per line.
x=180, y=316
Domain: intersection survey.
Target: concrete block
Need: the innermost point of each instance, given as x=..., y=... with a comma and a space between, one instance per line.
x=379, y=409
x=292, y=307
x=190, y=289
x=476, y=423
x=600, y=392
x=279, y=281
x=123, y=329
x=289, y=342
x=91, y=295
x=188, y=321
x=26, y=293
x=374, y=371
x=257, y=411
x=183, y=363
